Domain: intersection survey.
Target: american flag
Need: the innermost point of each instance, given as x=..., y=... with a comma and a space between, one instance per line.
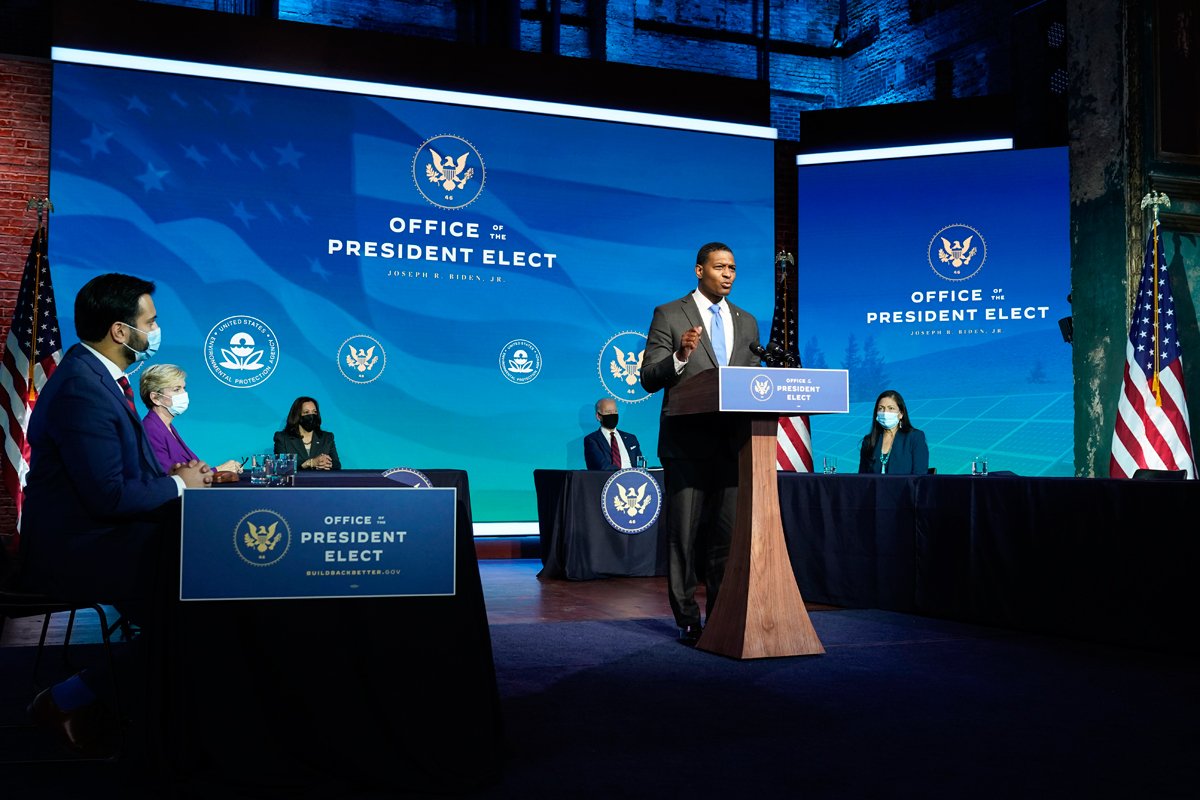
x=794, y=450
x=32, y=351
x=1152, y=429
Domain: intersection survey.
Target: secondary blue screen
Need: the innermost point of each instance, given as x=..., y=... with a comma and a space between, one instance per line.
x=943, y=278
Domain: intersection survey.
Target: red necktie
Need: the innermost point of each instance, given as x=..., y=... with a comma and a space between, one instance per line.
x=616, y=450
x=125, y=387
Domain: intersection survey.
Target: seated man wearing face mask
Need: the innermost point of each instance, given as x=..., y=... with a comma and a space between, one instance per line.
x=100, y=514
x=163, y=389
x=608, y=448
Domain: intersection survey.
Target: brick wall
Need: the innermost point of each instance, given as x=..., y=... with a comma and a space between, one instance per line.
x=24, y=174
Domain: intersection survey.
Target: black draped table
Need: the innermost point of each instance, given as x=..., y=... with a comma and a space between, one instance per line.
x=1099, y=559
x=576, y=540
x=331, y=694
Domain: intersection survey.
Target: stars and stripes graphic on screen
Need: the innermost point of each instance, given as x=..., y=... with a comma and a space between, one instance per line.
x=32, y=351
x=1152, y=430
x=794, y=450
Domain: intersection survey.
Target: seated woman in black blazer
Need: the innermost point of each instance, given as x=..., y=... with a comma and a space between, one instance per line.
x=302, y=435
x=894, y=446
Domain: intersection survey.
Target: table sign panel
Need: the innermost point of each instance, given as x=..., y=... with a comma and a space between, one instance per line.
x=783, y=390
x=291, y=543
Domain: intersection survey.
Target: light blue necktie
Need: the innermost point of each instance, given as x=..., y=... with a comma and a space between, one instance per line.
x=717, y=334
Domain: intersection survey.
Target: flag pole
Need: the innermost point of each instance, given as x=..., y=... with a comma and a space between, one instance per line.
x=43, y=205
x=784, y=260
x=1154, y=200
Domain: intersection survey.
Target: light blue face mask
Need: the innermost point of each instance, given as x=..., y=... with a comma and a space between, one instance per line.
x=888, y=419
x=153, y=340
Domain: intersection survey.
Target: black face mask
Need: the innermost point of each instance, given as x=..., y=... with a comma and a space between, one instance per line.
x=609, y=421
x=310, y=421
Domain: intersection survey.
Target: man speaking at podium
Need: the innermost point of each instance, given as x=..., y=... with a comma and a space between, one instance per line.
x=698, y=332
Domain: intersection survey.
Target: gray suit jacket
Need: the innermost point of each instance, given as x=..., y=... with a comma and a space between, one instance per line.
x=693, y=435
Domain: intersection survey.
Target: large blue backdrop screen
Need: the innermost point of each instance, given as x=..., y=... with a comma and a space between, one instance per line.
x=456, y=285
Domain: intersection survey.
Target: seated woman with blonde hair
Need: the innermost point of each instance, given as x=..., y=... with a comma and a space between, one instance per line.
x=163, y=388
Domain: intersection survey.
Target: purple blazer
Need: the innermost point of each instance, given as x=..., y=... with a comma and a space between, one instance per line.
x=165, y=441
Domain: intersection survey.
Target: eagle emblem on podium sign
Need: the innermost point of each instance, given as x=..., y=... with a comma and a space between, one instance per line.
x=262, y=537
x=631, y=500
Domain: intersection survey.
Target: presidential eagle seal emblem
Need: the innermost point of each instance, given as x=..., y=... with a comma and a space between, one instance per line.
x=631, y=500
x=448, y=171
x=262, y=538
x=620, y=366
x=957, y=252
x=761, y=388
x=361, y=359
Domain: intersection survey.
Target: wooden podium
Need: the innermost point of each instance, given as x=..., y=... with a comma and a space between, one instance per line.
x=759, y=612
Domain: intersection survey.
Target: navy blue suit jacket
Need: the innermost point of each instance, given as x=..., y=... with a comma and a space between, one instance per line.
x=96, y=498
x=909, y=456
x=597, y=449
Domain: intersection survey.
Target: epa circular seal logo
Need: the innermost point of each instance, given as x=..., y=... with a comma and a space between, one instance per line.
x=620, y=366
x=406, y=476
x=262, y=538
x=631, y=500
x=957, y=252
x=761, y=388
x=448, y=171
x=241, y=351
x=361, y=359
x=520, y=361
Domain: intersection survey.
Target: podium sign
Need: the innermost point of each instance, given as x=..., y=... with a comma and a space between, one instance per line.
x=785, y=391
x=290, y=543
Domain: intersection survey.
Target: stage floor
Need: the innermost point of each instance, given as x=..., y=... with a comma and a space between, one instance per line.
x=512, y=591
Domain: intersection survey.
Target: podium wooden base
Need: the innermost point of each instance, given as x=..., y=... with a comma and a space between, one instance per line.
x=759, y=612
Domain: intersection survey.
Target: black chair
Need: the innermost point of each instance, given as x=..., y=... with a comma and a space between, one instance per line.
x=22, y=605
x=1160, y=474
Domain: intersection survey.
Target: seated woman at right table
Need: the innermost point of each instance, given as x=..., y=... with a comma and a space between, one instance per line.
x=894, y=446
x=302, y=435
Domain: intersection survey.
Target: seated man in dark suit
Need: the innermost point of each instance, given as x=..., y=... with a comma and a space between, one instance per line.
x=98, y=507
x=609, y=448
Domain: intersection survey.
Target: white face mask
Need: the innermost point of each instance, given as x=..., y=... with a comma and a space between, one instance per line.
x=153, y=342
x=888, y=419
x=179, y=404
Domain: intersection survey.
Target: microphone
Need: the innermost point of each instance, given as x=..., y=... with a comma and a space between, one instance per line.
x=760, y=351
x=776, y=352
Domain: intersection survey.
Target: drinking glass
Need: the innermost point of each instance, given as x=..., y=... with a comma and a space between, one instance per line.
x=285, y=470
x=258, y=469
